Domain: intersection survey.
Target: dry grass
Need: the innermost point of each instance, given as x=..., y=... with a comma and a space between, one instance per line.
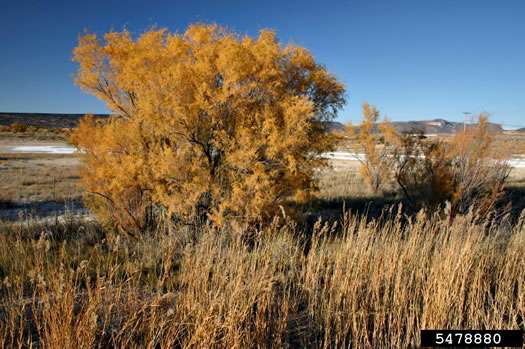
x=365, y=283
x=34, y=134
x=343, y=181
x=373, y=279
x=32, y=180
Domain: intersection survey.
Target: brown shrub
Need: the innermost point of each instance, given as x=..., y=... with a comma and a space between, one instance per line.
x=468, y=172
x=18, y=127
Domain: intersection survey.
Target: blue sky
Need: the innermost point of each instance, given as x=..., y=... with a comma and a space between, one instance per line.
x=414, y=60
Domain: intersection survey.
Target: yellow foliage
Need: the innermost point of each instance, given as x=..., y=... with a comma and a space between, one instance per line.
x=376, y=165
x=469, y=171
x=206, y=123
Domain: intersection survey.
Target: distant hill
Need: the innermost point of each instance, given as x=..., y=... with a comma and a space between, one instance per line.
x=44, y=119
x=336, y=126
x=521, y=129
x=436, y=126
x=50, y=120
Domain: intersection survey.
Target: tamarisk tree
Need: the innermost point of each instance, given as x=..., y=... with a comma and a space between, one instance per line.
x=376, y=164
x=206, y=124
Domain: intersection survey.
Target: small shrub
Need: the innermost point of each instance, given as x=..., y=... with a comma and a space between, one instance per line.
x=18, y=127
x=423, y=171
x=470, y=171
x=376, y=164
x=479, y=168
x=33, y=129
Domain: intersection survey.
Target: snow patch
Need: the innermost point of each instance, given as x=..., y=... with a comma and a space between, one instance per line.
x=344, y=156
x=514, y=162
x=50, y=149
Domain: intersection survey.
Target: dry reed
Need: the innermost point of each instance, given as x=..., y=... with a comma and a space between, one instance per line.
x=360, y=283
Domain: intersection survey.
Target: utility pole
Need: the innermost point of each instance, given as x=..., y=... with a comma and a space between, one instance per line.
x=465, y=123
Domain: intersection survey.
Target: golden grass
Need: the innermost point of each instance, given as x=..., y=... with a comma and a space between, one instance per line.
x=27, y=178
x=363, y=283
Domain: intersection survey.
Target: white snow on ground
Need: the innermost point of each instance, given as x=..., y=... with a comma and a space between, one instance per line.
x=344, y=156
x=50, y=149
x=515, y=162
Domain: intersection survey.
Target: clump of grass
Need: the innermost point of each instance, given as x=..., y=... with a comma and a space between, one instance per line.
x=234, y=295
x=382, y=282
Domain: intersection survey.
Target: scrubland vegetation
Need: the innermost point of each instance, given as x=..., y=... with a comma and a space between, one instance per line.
x=20, y=130
x=219, y=225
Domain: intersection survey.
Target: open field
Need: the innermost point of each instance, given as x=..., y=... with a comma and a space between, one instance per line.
x=37, y=184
